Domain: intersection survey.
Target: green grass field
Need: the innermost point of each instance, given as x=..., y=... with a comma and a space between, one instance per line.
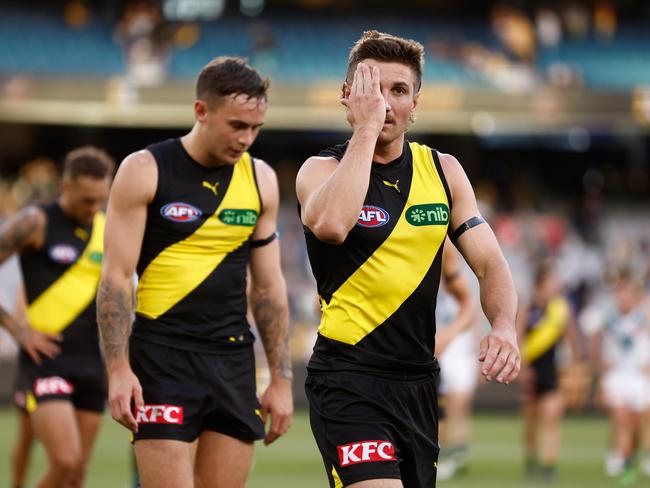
x=294, y=462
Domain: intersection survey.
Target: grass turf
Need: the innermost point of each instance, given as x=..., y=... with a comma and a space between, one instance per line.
x=495, y=451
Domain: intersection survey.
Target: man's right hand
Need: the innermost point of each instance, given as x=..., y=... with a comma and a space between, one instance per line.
x=366, y=107
x=36, y=343
x=124, y=386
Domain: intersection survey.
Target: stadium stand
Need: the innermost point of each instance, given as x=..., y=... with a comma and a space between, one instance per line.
x=301, y=49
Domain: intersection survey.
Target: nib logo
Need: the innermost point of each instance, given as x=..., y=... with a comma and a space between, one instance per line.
x=159, y=414
x=365, y=452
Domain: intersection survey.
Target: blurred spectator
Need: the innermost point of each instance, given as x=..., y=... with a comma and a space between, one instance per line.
x=605, y=20
x=549, y=28
x=263, y=55
x=576, y=20
x=146, y=39
x=516, y=33
x=37, y=182
x=76, y=14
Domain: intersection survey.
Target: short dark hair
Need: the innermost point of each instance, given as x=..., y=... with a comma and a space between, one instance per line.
x=227, y=75
x=88, y=161
x=388, y=48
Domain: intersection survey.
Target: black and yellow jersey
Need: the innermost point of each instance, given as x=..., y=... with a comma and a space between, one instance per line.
x=378, y=288
x=192, y=268
x=61, y=279
x=544, y=331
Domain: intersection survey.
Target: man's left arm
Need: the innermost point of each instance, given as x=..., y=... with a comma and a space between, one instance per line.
x=270, y=306
x=477, y=243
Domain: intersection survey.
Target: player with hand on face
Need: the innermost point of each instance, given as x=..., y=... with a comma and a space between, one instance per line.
x=376, y=212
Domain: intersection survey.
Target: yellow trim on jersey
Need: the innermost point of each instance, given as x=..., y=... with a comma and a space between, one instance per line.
x=547, y=331
x=184, y=265
x=394, y=271
x=337, y=479
x=62, y=302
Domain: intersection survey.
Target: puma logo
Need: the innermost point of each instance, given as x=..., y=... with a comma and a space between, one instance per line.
x=205, y=184
x=392, y=185
x=81, y=234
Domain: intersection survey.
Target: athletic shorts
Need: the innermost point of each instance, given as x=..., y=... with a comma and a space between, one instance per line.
x=459, y=365
x=187, y=392
x=368, y=427
x=75, y=376
x=626, y=389
x=546, y=379
x=21, y=388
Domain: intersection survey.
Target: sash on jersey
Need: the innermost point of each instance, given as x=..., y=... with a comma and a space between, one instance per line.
x=400, y=263
x=65, y=299
x=548, y=330
x=183, y=266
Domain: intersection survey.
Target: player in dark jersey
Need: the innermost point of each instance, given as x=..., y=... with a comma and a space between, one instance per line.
x=376, y=212
x=190, y=215
x=24, y=442
x=60, y=250
x=542, y=324
x=456, y=348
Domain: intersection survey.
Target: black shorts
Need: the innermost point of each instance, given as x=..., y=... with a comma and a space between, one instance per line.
x=187, y=392
x=76, y=376
x=546, y=379
x=368, y=427
x=21, y=388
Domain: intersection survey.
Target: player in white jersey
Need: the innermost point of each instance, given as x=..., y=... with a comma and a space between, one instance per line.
x=625, y=362
x=456, y=348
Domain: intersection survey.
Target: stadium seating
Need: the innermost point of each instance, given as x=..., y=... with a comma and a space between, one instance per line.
x=305, y=49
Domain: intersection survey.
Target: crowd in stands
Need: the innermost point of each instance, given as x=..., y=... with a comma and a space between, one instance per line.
x=512, y=49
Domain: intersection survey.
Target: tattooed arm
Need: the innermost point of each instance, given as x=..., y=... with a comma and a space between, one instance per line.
x=23, y=231
x=270, y=308
x=134, y=186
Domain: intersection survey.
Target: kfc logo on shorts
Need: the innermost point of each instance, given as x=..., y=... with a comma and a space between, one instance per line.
x=159, y=414
x=365, y=452
x=53, y=385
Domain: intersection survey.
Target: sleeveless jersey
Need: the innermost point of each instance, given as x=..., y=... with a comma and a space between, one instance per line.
x=626, y=340
x=196, y=246
x=378, y=288
x=61, y=279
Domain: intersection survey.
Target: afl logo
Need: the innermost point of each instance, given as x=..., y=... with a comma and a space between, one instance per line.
x=63, y=254
x=371, y=216
x=180, y=212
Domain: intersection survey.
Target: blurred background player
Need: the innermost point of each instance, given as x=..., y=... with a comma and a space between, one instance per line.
x=456, y=349
x=624, y=359
x=543, y=323
x=22, y=450
x=60, y=249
